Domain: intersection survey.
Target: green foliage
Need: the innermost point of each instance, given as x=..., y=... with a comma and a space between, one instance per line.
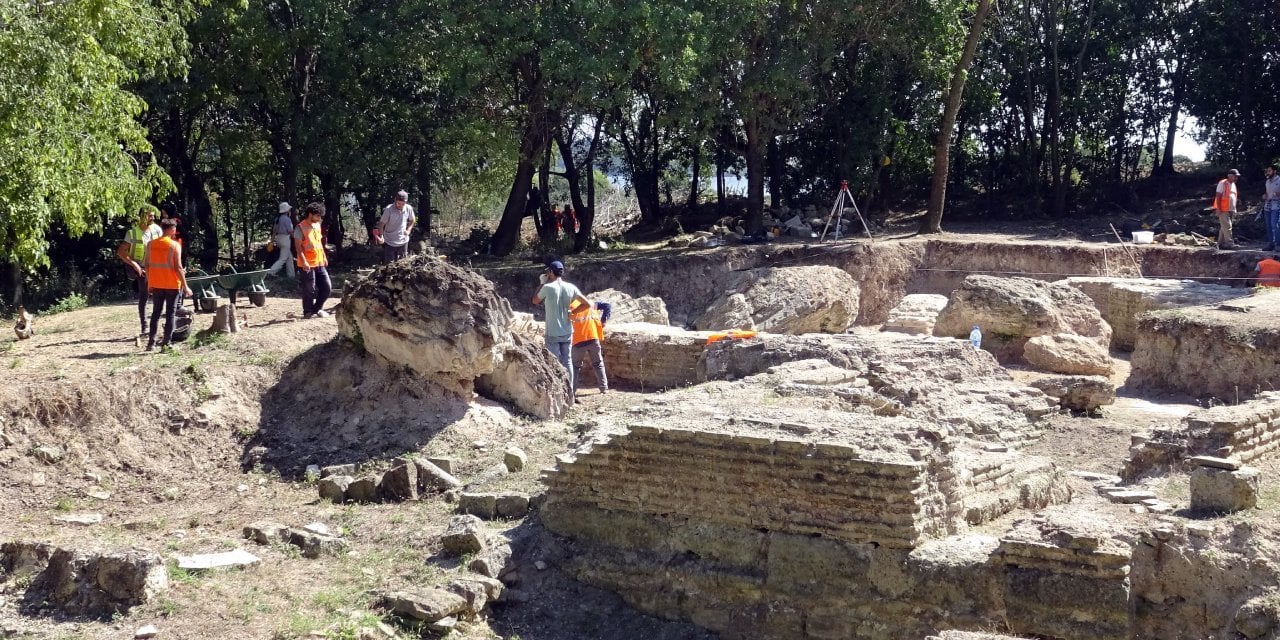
x=72, y=302
x=71, y=147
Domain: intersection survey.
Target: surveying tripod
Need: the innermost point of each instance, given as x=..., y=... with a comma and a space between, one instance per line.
x=843, y=199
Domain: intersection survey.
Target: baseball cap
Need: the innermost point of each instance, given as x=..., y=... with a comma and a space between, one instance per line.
x=402, y=195
x=1233, y=172
x=556, y=267
x=285, y=207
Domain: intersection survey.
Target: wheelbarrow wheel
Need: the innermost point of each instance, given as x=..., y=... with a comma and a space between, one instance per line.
x=258, y=299
x=208, y=305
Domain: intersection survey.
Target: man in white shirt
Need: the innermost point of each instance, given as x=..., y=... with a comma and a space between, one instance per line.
x=1224, y=205
x=282, y=233
x=1271, y=206
x=133, y=252
x=394, y=228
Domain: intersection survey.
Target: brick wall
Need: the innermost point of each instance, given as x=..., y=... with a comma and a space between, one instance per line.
x=650, y=356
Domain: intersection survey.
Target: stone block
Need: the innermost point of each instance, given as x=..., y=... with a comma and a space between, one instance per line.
x=431, y=476
x=314, y=545
x=400, y=483
x=464, y=534
x=511, y=505
x=1224, y=491
x=364, y=489
x=493, y=562
x=334, y=488
x=445, y=463
x=515, y=459
x=266, y=532
x=484, y=505
x=428, y=605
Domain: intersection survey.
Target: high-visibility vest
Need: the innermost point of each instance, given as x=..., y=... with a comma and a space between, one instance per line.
x=312, y=246
x=138, y=239
x=1224, y=196
x=162, y=254
x=586, y=324
x=1269, y=273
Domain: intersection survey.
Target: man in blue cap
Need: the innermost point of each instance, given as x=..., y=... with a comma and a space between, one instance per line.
x=556, y=296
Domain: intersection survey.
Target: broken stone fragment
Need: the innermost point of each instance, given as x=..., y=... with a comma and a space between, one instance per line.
x=511, y=505
x=334, y=488
x=83, y=519
x=427, y=605
x=445, y=463
x=477, y=590
x=493, y=562
x=338, y=470
x=464, y=534
x=1216, y=463
x=515, y=459
x=364, y=489
x=263, y=532
x=431, y=476
x=314, y=545
x=50, y=454
x=201, y=562
x=400, y=483
x=148, y=631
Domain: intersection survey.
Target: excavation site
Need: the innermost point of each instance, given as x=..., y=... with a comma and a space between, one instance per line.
x=952, y=437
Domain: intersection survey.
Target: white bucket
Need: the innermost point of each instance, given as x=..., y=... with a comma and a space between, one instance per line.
x=1144, y=237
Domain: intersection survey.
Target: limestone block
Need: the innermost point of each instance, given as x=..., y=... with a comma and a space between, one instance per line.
x=1070, y=354
x=1224, y=491
x=364, y=489
x=917, y=313
x=1122, y=300
x=431, y=476
x=626, y=308
x=484, y=505
x=400, y=483
x=428, y=605
x=514, y=459
x=464, y=534
x=1016, y=309
x=1078, y=393
x=808, y=299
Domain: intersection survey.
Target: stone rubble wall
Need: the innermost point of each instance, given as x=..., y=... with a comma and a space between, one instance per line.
x=1000, y=483
x=1048, y=585
x=1122, y=300
x=1248, y=432
x=75, y=582
x=793, y=486
x=916, y=314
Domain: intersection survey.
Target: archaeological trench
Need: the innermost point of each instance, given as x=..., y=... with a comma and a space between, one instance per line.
x=857, y=469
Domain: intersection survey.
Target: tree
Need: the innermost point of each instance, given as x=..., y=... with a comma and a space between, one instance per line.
x=942, y=153
x=72, y=152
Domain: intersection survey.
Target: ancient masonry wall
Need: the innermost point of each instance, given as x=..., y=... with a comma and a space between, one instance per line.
x=793, y=486
x=770, y=538
x=650, y=356
x=1247, y=432
x=1122, y=300
x=1048, y=585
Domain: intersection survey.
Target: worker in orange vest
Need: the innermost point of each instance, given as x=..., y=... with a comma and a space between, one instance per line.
x=313, y=272
x=1224, y=204
x=165, y=278
x=588, y=335
x=1268, y=272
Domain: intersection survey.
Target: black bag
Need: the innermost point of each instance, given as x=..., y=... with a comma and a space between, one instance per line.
x=181, y=325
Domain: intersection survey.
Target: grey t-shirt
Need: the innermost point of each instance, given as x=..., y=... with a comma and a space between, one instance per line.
x=394, y=225
x=284, y=225
x=556, y=297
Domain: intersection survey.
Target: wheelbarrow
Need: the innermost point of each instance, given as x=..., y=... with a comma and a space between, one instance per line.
x=251, y=282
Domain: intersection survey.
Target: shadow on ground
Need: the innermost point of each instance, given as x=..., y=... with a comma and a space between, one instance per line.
x=335, y=404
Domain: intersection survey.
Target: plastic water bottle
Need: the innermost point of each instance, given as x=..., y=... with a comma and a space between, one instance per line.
x=975, y=337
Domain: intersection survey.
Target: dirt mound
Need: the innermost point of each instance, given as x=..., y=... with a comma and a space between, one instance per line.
x=336, y=404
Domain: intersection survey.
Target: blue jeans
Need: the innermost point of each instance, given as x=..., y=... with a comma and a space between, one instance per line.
x=1271, y=213
x=562, y=348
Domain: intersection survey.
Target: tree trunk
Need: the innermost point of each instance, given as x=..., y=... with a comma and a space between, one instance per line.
x=571, y=174
x=755, y=174
x=932, y=222
x=332, y=188
x=423, y=227
x=191, y=185
x=533, y=141
x=775, y=173
x=1175, y=109
x=691, y=205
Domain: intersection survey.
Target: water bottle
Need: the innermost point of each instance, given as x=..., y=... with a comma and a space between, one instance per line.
x=975, y=337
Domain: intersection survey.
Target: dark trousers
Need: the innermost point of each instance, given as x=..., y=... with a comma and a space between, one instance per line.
x=315, y=289
x=168, y=300
x=140, y=284
x=391, y=254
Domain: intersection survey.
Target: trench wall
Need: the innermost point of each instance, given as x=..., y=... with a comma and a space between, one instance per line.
x=689, y=280
x=1209, y=353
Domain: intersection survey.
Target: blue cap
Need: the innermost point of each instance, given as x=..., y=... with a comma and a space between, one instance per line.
x=556, y=267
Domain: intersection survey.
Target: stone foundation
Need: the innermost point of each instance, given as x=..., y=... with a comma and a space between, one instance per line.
x=650, y=357
x=1229, y=353
x=1248, y=432
x=1122, y=300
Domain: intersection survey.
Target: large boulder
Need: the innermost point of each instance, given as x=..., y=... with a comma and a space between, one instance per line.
x=448, y=325
x=811, y=299
x=1011, y=311
x=626, y=308
x=1070, y=354
x=917, y=313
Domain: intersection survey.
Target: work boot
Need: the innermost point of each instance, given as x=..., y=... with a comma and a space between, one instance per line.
x=151, y=345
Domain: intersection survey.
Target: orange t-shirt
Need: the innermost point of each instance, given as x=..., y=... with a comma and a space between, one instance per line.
x=1269, y=273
